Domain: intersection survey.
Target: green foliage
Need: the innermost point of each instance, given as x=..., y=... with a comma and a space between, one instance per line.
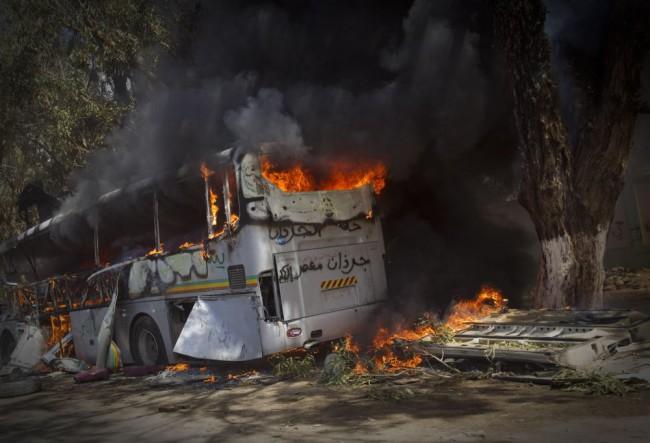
x=292, y=366
x=339, y=365
x=338, y=368
x=593, y=383
x=67, y=70
x=444, y=335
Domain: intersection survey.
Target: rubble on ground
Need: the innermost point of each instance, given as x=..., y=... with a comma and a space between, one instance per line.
x=597, y=352
x=621, y=279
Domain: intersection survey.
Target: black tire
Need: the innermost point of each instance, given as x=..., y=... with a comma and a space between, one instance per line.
x=19, y=387
x=147, y=346
x=7, y=346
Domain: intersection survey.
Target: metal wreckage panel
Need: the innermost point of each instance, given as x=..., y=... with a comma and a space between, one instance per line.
x=223, y=328
x=609, y=340
x=300, y=207
x=319, y=206
x=85, y=324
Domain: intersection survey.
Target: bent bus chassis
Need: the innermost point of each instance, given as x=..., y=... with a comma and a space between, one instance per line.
x=294, y=270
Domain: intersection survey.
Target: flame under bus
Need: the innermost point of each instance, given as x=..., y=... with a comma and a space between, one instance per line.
x=264, y=271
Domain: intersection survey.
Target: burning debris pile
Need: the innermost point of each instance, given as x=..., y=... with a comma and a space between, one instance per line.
x=186, y=374
x=479, y=338
x=391, y=350
x=597, y=352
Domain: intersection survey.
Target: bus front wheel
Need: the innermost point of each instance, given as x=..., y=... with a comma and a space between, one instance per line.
x=147, y=346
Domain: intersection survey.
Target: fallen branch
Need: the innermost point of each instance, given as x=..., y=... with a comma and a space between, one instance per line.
x=441, y=361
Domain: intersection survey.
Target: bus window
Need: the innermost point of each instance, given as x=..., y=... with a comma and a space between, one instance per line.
x=181, y=208
x=221, y=201
x=214, y=202
x=269, y=301
x=233, y=196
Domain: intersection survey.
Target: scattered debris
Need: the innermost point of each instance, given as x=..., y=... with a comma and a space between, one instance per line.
x=70, y=365
x=51, y=355
x=596, y=352
x=582, y=340
x=626, y=279
x=593, y=383
x=29, y=348
x=179, y=374
x=95, y=374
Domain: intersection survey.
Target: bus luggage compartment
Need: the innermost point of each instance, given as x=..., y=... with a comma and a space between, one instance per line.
x=322, y=280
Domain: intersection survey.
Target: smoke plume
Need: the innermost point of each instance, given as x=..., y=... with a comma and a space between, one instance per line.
x=416, y=86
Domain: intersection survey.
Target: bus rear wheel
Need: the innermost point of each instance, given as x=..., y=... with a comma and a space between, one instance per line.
x=147, y=346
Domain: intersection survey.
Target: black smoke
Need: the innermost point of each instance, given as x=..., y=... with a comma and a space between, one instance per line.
x=417, y=85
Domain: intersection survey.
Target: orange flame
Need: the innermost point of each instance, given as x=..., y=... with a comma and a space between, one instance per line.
x=234, y=219
x=186, y=245
x=488, y=301
x=239, y=375
x=155, y=251
x=348, y=345
x=178, y=367
x=214, y=208
x=59, y=327
x=340, y=176
x=205, y=171
x=385, y=359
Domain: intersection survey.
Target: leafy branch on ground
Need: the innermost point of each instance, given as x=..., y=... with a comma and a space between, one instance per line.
x=292, y=366
x=593, y=383
x=339, y=366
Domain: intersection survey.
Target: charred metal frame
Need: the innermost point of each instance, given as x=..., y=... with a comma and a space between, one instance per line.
x=156, y=221
x=96, y=245
x=226, y=201
x=208, y=210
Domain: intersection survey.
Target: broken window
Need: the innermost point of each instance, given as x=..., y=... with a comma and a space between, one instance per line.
x=270, y=301
x=221, y=202
x=181, y=212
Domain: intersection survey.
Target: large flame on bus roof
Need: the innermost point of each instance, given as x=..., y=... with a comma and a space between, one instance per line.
x=339, y=176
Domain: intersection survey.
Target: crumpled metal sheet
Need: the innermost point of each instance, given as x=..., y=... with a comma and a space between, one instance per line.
x=300, y=207
x=85, y=324
x=29, y=348
x=221, y=328
x=611, y=341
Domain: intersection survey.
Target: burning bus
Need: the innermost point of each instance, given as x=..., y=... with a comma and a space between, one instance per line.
x=229, y=260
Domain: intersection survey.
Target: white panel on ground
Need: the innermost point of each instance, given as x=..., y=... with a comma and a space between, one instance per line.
x=223, y=329
x=28, y=350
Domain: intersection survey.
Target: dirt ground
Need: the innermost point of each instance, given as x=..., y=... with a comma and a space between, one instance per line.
x=440, y=410
x=298, y=411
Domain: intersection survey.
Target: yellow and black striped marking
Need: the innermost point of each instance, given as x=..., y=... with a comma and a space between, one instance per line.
x=338, y=283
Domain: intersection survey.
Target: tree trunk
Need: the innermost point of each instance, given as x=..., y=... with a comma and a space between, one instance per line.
x=571, y=271
x=570, y=189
